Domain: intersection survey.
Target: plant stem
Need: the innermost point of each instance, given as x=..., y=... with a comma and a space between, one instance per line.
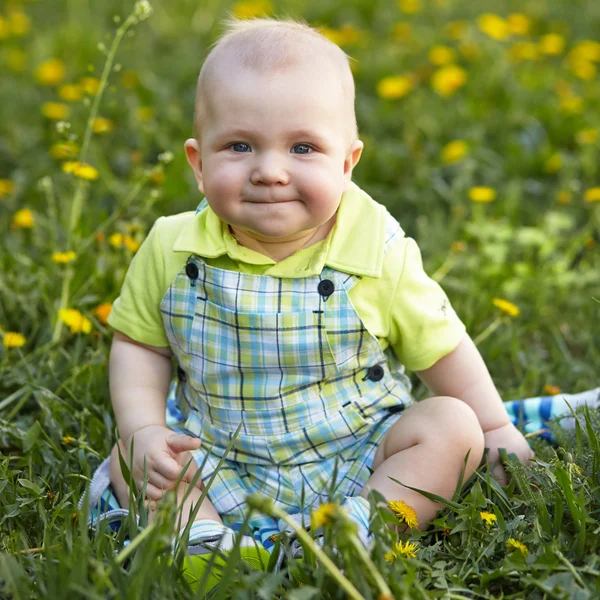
x=384, y=589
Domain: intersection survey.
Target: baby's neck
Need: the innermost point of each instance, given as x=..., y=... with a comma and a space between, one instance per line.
x=277, y=249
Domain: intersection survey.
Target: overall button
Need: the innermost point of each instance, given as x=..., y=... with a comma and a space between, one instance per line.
x=325, y=288
x=375, y=373
x=181, y=374
x=191, y=270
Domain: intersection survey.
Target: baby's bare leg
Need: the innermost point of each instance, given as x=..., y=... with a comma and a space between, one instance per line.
x=426, y=449
x=206, y=510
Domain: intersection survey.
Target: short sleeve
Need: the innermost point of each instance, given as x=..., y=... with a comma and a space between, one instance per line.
x=136, y=312
x=423, y=325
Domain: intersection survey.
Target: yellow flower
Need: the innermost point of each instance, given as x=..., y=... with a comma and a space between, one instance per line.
x=130, y=244
x=404, y=513
x=70, y=92
x=102, y=125
x=90, y=85
x=563, y=197
x=584, y=69
x=67, y=440
x=469, y=50
x=249, y=9
x=442, y=55
x=17, y=60
x=63, y=257
x=144, y=113
x=18, y=22
x=454, y=151
x=513, y=544
x=552, y=44
x=50, y=72
x=55, y=110
x=345, y=36
x=493, y=26
x=482, y=194
x=6, y=187
x=13, y=340
x=116, y=240
x=592, y=195
x=487, y=517
x=407, y=549
x=63, y=150
x=447, y=80
x=586, y=50
x=394, y=87
x=455, y=29
x=523, y=51
x=75, y=320
x=506, y=307
x=81, y=170
x=586, y=136
x=22, y=219
x=552, y=390
x=572, y=105
x=102, y=311
x=4, y=29
x=323, y=515
x=402, y=32
x=519, y=24
x=458, y=246
x=410, y=7
x=554, y=163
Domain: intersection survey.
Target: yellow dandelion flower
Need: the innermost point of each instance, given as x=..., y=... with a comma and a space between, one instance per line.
x=551, y=390
x=250, y=9
x=6, y=187
x=345, y=36
x=404, y=513
x=102, y=311
x=62, y=150
x=70, y=92
x=13, y=339
x=513, y=544
x=493, y=26
x=488, y=518
x=442, y=55
x=552, y=44
x=90, y=85
x=563, y=197
x=592, y=195
x=4, y=29
x=454, y=151
x=554, y=163
x=571, y=105
x=584, y=69
x=482, y=194
x=131, y=244
x=50, y=72
x=323, y=515
x=447, y=80
x=55, y=110
x=116, y=240
x=16, y=60
x=394, y=87
x=506, y=307
x=586, y=50
x=519, y=24
x=63, y=257
x=406, y=549
x=523, y=51
x=144, y=113
x=402, y=32
x=18, y=22
x=586, y=136
x=81, y=170
x=102, y=125
x=75, y=320
x=410, y=7
x=67, y=440
x=22, y=219
x=455, y=29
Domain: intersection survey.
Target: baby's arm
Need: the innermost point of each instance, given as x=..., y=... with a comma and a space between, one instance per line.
x=139, y=383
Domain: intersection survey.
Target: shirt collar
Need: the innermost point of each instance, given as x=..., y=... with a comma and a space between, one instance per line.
x=359, y=218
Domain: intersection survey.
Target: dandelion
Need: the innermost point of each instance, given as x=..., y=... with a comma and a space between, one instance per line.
x=406, y=549
x=518, y=24
x=70, y=92
x=552, y=390
x=131, y=244
x=455, y=29
x=17, y=60
x=410, y=7
x=454, y=151
x=482, y=194
x=116, y=240
x=523, y=51
x=586, y=50
x=584, y=70
x=50, y=72
x=75, y=320
x=552, y=44
x=506, y=307
x=55, y=110
x=250, y=9
x=13, y=339
x=554, y=163
x=6, y=187
x=67, y=440
x=488, y=518
x=571, y=105
x=102, y=125
x=394, y=87
x=442, y=55
x=90, y=85
x=404, y=513
x=493, y=26
x=592, y=195
x=62, y=258
x=18, y=22
x=345, y=36
x=324, y=515
x=102, y=311
x=513, y=545
x=402, y=32
x=81, y=170
x=22, y=219
x=447, y=80
x=63, y=150
x=4, y=29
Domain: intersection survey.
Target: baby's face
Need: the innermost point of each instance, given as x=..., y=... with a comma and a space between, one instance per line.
x=276, y=152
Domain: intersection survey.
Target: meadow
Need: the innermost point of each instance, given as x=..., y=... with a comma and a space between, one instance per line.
x=481, y=124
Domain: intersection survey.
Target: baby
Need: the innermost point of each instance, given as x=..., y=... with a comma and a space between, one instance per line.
x=291, y=302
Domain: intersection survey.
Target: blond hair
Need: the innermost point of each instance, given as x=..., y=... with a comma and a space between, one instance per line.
x=272, y=45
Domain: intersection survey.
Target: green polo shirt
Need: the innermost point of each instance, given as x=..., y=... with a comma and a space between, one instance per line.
x=395, y=299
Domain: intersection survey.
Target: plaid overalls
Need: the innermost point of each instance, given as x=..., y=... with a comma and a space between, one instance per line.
x=291, y=363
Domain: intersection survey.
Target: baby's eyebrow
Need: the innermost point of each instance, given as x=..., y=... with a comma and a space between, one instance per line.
x=294, y=134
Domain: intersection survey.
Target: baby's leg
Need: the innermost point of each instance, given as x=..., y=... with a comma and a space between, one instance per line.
x=206, y=510
x=426, y=449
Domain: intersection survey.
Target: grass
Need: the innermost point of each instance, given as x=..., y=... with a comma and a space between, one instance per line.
x=534, y=245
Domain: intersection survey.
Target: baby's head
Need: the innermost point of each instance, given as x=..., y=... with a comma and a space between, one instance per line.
x=275, y=129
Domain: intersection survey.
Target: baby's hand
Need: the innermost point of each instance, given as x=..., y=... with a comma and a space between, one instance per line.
x=166, y=453
x=509, y=437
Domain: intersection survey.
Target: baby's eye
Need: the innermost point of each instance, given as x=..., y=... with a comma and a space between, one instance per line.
x=240, y=147
x=302, y=149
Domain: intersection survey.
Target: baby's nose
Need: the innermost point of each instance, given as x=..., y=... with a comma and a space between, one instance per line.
x=269, y=169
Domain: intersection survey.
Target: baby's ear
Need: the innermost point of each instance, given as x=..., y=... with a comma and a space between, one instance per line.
x=351, y=160
x=194, y=158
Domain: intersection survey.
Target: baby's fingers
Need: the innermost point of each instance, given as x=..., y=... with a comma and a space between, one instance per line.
x=169, y=468
x=179, y=442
